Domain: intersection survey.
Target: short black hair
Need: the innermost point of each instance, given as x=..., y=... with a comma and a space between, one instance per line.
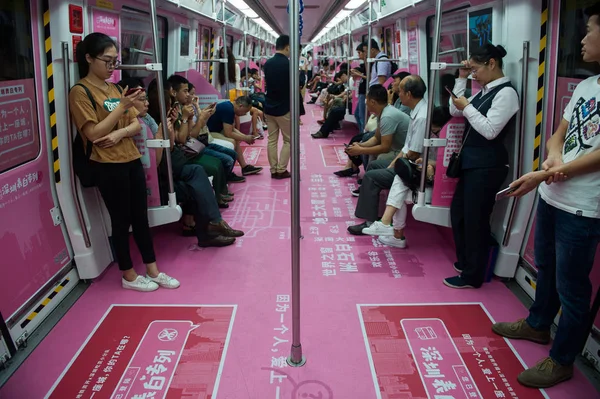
x=374, y=44
x=244, y=101
x=282, y=42
x=440, y=116
x=488, y=51
x=177, y=81
x=415, y=85
x=360, y=47
x=131, y=82
x=401, y=75
x=593, y=10
x=378, y=93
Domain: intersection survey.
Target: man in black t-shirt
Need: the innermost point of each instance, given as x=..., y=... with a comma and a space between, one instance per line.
x=360, y=73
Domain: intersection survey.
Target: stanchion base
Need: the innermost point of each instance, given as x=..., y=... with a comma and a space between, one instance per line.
x=292, y=364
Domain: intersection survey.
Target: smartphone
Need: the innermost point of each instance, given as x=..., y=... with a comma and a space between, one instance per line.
x=346, y=145
x=131, y=91
x=451, y=92
x=504, y=193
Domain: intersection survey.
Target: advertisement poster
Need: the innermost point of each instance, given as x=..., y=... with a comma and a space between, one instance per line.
x=19, y=135
x=107, y=22
x=480, y=28
x=142, y=352
x=440, y=351
x=413, y=47
x=444, y=186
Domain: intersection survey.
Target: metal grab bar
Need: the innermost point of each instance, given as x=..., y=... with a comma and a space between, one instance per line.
x=296, y=359
x=162, y=104
x=454, y=50
x=225, y=50
x=67, y=80
x=134, y=50
x=403, y=60
x=223, y=60
x=439, y=66
x=141, y=67
x=367, y=66
x=519, y=149
x=431, y=89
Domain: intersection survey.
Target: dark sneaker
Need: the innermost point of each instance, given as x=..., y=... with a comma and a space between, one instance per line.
x=545, y=374
x=457, y=282
x=521, y=330
x=223, y=229
x=318, y=135
x=457, y=267
x=357, y=230
x=222, y=204
x=233, y=178
x=356, y=192
x=359, y=181
x=251, y=170
x=284, y=175
x=346, y=172
x=218, y=241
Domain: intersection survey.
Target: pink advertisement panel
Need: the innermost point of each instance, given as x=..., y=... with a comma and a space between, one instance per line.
x=32, y=247
x=108, y=22
x=413, y=47
x=153, y=352
x=444, y=186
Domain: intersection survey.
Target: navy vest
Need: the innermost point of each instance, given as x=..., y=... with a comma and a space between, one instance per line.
x=479, y=152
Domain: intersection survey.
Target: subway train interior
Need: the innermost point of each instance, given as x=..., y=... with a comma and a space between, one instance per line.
x=317, y=312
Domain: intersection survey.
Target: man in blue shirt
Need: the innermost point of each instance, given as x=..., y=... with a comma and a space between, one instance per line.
x=220, y=124
x=277, y=107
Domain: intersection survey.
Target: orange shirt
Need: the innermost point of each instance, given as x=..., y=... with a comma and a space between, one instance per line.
x=107, y=100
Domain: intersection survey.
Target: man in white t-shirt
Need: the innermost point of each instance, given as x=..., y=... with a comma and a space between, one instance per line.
x=567, y=229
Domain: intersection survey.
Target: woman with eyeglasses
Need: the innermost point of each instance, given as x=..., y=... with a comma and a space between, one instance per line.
x=484, y=161
x=105, y=115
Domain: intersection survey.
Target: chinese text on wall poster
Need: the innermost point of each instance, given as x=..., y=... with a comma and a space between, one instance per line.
x=441, y=352
x=143, y=352
x=19, y=136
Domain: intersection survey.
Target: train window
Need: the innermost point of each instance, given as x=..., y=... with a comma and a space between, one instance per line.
x=572, y=30
x=137, y=46
x=184, y=45
x=19, y=135
x=453, y=36
x=389, y=42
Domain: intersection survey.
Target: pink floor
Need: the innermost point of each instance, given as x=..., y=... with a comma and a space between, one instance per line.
x=252, y=273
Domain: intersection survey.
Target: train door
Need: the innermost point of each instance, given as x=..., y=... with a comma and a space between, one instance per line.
x=565, y=69
x=36, y=253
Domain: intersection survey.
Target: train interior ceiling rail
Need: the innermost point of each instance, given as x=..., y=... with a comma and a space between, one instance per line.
x=54, y=233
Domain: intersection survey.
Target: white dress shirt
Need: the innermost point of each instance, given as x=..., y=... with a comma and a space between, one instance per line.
x=504, y=106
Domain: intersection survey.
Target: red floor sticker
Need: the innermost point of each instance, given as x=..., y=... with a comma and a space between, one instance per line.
x=150, y=352
x=445, y=351
x=334, y=155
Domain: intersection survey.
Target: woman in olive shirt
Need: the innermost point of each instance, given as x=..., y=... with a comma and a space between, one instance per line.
x=110, y=124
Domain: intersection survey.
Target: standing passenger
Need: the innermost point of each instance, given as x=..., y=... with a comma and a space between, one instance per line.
x=567, y=229
x=484, y=160
x=277, y=107
x=110, y=124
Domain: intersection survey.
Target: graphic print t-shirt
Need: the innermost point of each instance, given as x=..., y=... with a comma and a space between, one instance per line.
x=107, y=100
x=579, y=195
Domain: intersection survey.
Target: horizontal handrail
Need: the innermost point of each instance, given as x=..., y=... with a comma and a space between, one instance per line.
x=141, y=67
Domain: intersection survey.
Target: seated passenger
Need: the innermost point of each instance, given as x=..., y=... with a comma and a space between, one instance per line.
x=335, y=108
x=220, y=124
x=193, y=189
x=395, y=92
x=115, y=160
x=353, y=163
x=380, y=174
x=395, y=211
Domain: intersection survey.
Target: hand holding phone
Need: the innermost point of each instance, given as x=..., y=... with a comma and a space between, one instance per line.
x=132, y=91
x=505, y=193
x=451, y=92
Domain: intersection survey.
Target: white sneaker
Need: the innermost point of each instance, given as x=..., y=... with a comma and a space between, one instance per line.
x=379, y=229
x=165, y=281
x=141, y=283
x=393, y=241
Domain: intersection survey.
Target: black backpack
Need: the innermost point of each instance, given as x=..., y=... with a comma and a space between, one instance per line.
x=394, y=66
x=81, y=152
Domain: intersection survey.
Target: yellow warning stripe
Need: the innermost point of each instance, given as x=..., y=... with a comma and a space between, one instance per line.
x=45, y=302
x=212, y=49
x=51, y=94
x=539, y=118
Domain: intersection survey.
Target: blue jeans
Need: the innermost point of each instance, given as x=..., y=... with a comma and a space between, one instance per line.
x=565, y=245
x=359, y=113
x=225, y=155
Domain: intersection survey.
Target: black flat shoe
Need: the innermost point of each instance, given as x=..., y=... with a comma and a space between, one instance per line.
x=346, y=172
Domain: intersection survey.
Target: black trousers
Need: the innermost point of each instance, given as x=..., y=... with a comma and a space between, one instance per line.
x=333, y=118
x=123, y=189
x=470, y=212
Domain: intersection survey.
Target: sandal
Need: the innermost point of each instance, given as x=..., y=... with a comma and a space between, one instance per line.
x=189, y=231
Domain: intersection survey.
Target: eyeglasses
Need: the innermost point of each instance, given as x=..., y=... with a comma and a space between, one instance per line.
x=476, y=69
x=110, y=63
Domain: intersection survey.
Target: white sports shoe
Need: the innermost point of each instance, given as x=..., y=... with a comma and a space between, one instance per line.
x=379, y=229
x=165, y=281
x=393, y=241
x=141, y=283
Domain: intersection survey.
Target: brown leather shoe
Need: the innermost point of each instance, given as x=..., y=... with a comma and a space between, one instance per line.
x=223, y=229
x=284, y=175
x=218, y=241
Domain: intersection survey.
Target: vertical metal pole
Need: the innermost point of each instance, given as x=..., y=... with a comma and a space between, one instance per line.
x=161, y=102
x=368, y=55
x=349, y=51
x=246, y=55
x=226, y=64
x=296, y=359
x=432, y=80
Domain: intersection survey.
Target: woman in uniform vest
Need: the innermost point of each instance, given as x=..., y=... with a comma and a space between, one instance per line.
x=110, y=122
x=484, y=160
